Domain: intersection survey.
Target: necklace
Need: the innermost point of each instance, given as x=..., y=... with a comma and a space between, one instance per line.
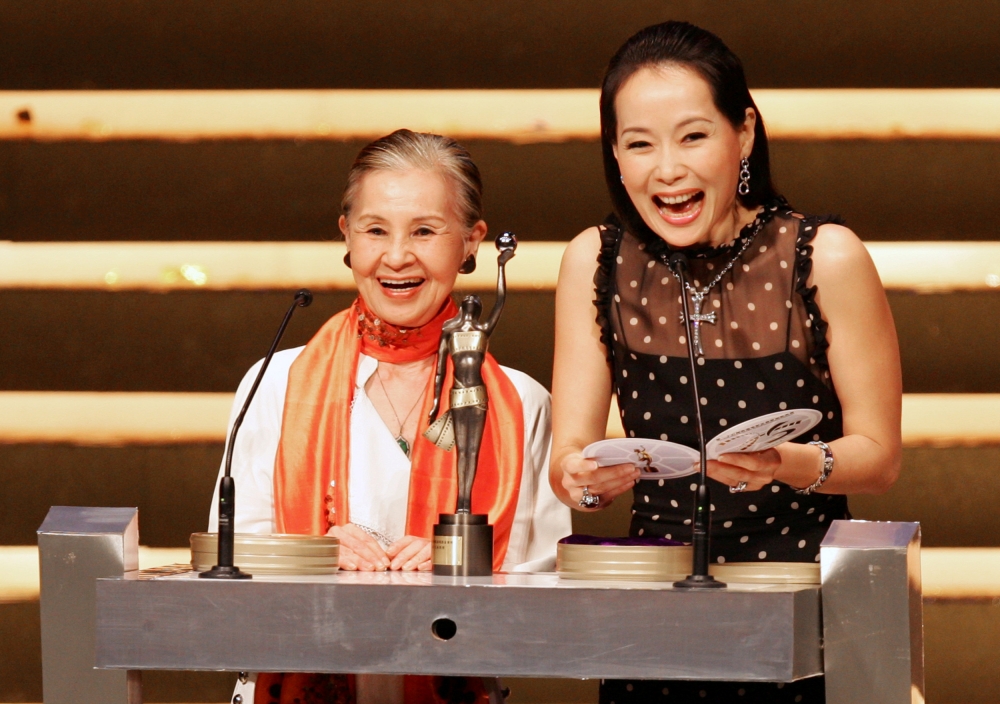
x=698, y=297
x=400, y=440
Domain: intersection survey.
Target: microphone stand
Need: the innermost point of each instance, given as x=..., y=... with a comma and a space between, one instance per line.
x=701, y=525
x=224, y=567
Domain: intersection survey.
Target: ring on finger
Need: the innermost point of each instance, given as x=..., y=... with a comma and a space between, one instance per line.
x=589, y=500
x=738, y=489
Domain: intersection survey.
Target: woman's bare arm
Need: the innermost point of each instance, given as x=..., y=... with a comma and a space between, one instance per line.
x=581, y=382
x=864, y=363
x=864, y=366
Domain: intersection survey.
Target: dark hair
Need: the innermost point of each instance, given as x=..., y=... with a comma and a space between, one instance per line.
x=698, y=49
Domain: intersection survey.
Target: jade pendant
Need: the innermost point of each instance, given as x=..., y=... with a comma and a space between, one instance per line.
x=403, y=445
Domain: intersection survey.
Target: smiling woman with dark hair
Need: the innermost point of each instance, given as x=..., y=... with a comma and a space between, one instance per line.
x=792, y=315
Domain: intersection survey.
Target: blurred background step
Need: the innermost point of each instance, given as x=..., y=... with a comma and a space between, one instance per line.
x=948, y=490
x=115, y=418
x=281, y=190
x=19, y=567
x=249, y=266
x=923, y=267
x=205, y=341
x=52, y=44
x=519, y=116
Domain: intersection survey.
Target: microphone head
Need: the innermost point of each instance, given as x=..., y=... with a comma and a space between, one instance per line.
x=678, y=262
x=505, y=241
x=304, y=297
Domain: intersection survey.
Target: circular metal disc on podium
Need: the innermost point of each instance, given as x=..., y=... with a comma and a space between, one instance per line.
x=766, y=572
x=271, y=562
x=271, y=553
x=623, y=562
x=271, y=544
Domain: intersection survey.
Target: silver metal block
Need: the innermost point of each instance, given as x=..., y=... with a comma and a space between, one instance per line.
x=872, y=613
x=511, y=625
x=76, y=545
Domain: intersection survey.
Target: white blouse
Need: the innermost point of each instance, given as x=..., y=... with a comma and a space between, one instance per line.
x=379, y=470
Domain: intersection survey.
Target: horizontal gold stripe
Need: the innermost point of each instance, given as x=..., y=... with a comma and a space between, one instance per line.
x=118, y=418
x=960, y=573
x=929, y=420
x=947, y=573
x=167, y=266
x=511, y=115
x=113, y=418
x=19, y=568
x=217, y=266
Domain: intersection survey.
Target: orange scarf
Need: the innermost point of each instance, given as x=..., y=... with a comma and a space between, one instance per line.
x=311, y=468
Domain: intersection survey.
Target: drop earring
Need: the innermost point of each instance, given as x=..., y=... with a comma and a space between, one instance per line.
x=347, y=260
x=468, y=266
x=744, y=187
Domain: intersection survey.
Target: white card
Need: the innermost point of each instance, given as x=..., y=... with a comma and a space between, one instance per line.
x=657, y=459
x=763, y=432
x=660, y=459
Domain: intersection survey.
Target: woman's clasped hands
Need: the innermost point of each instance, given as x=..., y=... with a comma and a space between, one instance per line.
x=361, y=552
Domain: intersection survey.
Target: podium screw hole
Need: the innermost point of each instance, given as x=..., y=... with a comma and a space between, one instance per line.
x=444, y=629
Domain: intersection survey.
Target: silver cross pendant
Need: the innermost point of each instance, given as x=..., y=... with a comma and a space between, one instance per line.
x=697, y=318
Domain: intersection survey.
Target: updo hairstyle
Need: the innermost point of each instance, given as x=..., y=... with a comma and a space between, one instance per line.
x=682, y=44
x=405, y=149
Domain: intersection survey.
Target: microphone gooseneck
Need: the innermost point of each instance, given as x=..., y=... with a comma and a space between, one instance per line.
x=701, y=524
x=224, y=567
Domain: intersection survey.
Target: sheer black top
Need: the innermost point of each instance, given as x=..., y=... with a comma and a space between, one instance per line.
x=765, y=352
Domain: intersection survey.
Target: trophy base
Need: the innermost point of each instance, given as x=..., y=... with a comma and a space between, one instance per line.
x=463, y=545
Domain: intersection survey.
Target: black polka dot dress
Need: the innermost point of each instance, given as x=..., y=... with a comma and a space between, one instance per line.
x=764, y=350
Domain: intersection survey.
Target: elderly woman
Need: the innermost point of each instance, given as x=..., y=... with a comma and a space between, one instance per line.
x=332, y=443
x=792, y=315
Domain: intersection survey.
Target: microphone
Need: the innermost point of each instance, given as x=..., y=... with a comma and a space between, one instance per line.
x=224, y=567
x=701, y=525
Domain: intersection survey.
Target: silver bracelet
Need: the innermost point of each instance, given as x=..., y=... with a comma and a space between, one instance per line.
x=824, y=473
x=381, y=538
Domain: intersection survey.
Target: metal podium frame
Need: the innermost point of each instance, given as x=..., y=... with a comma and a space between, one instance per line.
x=103, y=621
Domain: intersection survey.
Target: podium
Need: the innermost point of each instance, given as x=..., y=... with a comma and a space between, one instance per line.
x=862, y=627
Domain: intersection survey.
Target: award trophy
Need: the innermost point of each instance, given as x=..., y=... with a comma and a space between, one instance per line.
x=463, y=541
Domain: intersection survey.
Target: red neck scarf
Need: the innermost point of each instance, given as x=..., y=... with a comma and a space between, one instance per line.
x=311, y=470
x=390, y=343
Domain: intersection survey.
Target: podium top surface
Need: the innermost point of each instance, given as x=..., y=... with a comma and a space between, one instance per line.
x=536, y=580
x=871, y=535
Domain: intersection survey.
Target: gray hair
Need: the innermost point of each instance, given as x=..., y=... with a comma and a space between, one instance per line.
x=404, y=149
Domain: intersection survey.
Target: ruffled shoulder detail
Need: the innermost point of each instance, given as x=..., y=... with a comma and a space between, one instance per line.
x=808, y=226
x=611, y=237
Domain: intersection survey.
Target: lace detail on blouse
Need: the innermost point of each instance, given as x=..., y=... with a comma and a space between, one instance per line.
x=803, y=269
x=763, y=306
x=611, y=232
